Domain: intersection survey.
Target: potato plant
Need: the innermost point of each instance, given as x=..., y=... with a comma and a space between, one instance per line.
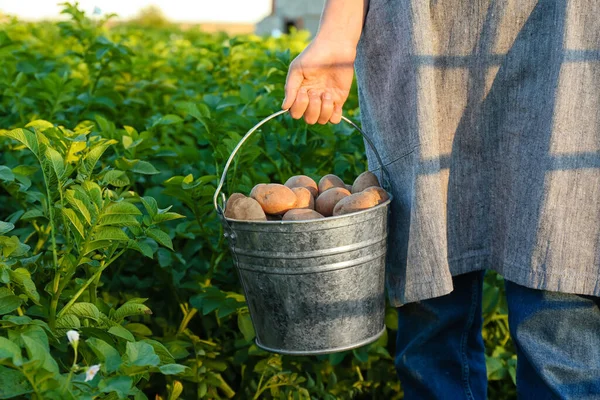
x=111, y=144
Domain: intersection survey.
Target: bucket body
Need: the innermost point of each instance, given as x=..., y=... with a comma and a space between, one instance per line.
x=314, y=287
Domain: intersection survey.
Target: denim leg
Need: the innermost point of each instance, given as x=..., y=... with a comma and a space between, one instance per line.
x=557, y=337
x=440, y=351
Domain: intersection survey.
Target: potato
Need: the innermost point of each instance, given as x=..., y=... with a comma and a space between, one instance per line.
x=301, y=214
x=381, y=194
x=274, y=198
x=247, y=209
x=355, y=202
x=365, y=180
x=304, y=199
x=305, y=182
x=230, y=201
x=330, y=181
x=255, y=188
x=328, y=199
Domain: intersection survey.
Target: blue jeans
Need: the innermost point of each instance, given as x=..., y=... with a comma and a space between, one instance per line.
x=440, y=351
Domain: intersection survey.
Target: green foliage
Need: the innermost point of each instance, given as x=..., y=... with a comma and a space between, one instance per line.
x=102, y=128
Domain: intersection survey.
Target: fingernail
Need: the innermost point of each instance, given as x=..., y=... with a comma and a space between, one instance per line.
x=303, y=90
x=327, y=96
x=283, y=102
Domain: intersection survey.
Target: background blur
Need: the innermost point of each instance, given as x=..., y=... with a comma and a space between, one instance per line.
x=231, y=16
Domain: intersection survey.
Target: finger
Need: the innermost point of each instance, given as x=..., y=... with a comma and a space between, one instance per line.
x=336, y=116
x=326, y=108
x=314, y=107
x=292, y=85
x=300, y=103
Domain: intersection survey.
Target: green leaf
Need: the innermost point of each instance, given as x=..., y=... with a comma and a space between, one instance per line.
x=167, y=216
x=22, y=278
x=110, y=233
x=118, y=220
x=6, y=174
x=95, y=245
x=13, y=384
x=26, y=137
x=94, y=192
x=130, y=309
x=168, y=119
x=32, y=214
x=91, y=158
x=11, y=246
x=40, y=125
x=121, y=208
x=245, y=326
x=85, y=310
x=121, y=332
x=6, y=227
x=37, y=351
x=108, y=356
x=172, y=369
x=138, y=329
x=74, y=220
x=79, y=205
x=121, y=385
x=150, y=205
x=141, y=354
x=10, y=350
x=161, y=237
x=56, y=161
x=9, y=304
x=144, y=167
x=161, y=351
x=142, y=247
x=68, y=321
x=116, y=178
x=391, y=318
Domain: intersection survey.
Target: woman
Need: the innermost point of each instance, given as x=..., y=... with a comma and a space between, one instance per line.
x=487, y=115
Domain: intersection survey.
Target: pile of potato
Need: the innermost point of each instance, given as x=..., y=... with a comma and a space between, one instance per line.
x=301, y=198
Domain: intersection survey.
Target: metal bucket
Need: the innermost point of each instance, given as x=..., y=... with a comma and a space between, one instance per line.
x=312, y=287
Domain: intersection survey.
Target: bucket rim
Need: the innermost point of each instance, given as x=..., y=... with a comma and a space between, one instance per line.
x=309, y=221
x=355, y=345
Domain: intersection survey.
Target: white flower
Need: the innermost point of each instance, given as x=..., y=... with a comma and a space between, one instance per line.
x=91, y=372
x=73, y=337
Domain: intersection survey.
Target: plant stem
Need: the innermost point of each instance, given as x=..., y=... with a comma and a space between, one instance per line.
x=187, y=317
x=71, y=371
x=88, y=283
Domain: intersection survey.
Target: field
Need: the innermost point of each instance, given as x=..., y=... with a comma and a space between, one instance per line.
x=111, y=142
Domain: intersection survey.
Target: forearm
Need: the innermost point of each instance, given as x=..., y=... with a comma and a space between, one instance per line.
x=342, y=21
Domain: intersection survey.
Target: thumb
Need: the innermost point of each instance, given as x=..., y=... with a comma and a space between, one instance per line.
x=294, y=80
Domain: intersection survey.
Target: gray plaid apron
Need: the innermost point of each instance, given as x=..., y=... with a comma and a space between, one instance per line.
x=487, y=115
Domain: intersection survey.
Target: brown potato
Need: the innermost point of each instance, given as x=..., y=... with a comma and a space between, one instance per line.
x=327, y=200
x=365, y=180
x=380, y=193
x=305, y=182
x=247, y=209
x=230, y=201
x=255, y=188
x=355, y=202
x=330, y=181
x=301, y=214
x=274, y=198
x=304, y=199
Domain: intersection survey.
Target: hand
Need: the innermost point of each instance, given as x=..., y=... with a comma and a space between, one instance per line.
x=319, y=81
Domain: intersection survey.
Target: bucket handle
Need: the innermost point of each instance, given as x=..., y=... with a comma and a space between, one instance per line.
x=384, y=175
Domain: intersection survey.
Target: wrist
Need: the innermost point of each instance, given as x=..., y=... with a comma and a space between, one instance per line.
x=338, y=46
